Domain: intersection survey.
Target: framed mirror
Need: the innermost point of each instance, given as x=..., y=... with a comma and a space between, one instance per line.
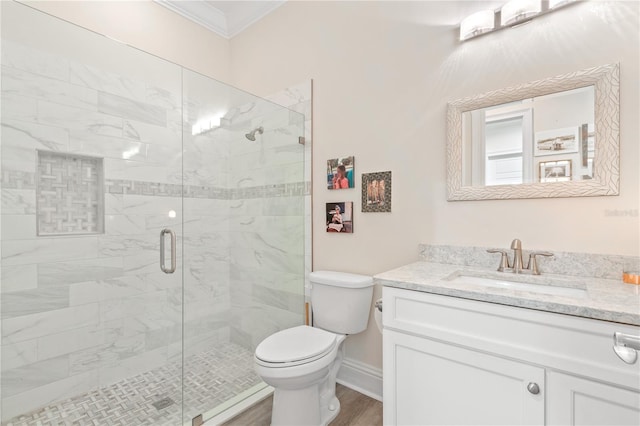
x=557, y=137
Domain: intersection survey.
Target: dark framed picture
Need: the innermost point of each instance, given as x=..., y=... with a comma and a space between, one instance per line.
x=340, y=217
x=376, y=192
x=340, y=173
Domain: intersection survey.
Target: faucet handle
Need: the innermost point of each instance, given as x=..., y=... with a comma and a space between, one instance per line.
x=533, y=263
x=504, y=259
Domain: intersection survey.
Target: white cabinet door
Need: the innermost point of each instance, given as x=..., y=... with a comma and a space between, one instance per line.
x=432, y=383
x=575, y=401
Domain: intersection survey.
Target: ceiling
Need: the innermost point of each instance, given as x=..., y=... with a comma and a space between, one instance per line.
x=225, y=18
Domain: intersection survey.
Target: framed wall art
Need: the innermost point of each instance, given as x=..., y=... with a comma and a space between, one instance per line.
x=376, y=192
x=557, y=141
x=340, y=173
x=339, y=217
x=555, y=171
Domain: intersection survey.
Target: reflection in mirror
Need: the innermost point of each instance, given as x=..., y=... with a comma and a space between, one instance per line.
x=548, y=138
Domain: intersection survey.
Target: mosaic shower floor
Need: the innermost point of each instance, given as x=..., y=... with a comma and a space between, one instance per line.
x=211, y=378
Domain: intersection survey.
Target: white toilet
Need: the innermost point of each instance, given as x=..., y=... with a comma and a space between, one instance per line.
x=302, y=362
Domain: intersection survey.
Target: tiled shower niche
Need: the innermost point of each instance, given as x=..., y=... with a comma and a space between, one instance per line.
x=69, y=194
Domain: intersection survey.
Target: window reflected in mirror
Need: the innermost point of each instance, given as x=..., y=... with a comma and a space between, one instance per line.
x=547, y=139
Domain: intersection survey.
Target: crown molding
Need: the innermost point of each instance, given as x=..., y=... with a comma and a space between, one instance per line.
x=200, y=12
x=238, y=24
x=226, y=25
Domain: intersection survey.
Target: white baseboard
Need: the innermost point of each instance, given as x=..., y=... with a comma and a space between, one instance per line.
x=361, y=377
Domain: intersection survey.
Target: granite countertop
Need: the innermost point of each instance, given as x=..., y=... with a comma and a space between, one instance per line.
x=603, y=299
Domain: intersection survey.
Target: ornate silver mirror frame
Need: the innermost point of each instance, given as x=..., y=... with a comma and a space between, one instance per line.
x=606, y=169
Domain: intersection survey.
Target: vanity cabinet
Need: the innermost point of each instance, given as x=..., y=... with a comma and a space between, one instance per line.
x=486, y=390
x=579, y=401
x=458, y=361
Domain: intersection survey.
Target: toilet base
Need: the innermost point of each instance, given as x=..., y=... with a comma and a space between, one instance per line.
x=314, y=405
x=300, y=408
x=329, y=415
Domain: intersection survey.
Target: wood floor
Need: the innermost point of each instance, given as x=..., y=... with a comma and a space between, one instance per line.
x=355, y=410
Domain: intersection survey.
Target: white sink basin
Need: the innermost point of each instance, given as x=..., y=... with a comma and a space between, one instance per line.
x=558, y=290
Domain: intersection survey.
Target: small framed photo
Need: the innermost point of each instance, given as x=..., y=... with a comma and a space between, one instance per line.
x=376, y=192
x=340, y=217
x=340, y=173
x=557, y=141
x=555, y=171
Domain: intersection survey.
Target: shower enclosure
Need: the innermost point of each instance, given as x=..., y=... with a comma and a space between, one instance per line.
x=152, y=231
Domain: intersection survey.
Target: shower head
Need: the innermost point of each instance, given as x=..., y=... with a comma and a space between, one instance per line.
x=252, y=134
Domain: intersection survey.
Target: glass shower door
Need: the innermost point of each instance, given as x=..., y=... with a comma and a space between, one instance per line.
x=91, y=170
x=107, y=153
x=243, y=237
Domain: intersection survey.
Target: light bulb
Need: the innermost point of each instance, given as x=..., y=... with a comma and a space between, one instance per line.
x=476, y=24
x=519, y=10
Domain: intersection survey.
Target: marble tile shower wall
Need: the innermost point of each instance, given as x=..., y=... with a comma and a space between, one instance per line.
x=85, y=311
x=205, y=242
x=299, y=98
x=267, y=247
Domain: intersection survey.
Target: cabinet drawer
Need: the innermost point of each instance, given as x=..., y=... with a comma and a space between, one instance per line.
x=579, y=345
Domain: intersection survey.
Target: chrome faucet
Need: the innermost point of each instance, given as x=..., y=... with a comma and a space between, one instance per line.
x=518, y=265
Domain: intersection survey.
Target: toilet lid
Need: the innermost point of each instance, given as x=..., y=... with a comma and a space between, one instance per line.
x=295, y=344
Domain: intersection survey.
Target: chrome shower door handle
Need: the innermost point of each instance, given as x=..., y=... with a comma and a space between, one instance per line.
x=163, y=268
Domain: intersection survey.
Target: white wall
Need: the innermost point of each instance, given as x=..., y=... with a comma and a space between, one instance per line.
x=149, y=27
x=383, y=73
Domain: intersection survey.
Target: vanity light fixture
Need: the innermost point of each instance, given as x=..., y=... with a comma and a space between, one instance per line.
x=513, y=13
x=477, y=23
x=517, y=11
x=558, y=3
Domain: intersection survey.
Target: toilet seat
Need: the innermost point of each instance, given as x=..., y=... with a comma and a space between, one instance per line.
x=295, y=346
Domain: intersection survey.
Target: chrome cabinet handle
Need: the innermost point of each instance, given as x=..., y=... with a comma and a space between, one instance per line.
x=533, y=388
x=533, y=262
x=504, y=259
x=626, y=347
x=163, y=268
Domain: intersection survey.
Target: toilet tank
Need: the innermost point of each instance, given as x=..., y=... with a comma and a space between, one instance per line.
x=340, y=301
